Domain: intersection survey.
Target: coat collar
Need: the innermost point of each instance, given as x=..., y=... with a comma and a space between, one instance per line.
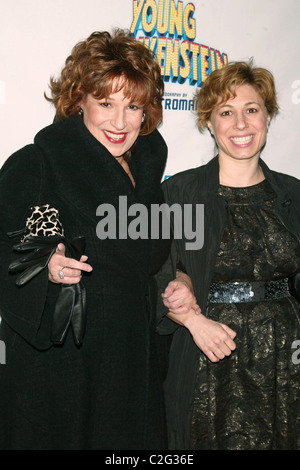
x=80, y=171
x=85, y=172
x=211, y=177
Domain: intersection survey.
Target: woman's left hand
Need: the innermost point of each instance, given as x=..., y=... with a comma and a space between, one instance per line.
x=69, y=267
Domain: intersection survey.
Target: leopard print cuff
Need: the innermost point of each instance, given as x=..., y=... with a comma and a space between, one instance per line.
x=43, y=222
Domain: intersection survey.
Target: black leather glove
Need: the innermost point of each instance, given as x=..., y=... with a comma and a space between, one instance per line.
x=70, y=307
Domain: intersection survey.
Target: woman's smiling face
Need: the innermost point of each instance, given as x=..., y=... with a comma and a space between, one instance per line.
x=114, y=121
x=240, y=124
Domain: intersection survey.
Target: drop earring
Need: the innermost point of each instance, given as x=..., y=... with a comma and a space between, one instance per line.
x=80, y=112
x=143, y=117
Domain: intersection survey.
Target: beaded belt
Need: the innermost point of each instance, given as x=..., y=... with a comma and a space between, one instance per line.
x=235, y=292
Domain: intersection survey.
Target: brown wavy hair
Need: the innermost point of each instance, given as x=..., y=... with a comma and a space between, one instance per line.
x=97, y=64
x=221, y=84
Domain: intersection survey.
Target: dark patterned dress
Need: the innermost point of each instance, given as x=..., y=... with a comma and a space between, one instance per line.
x=251, y=400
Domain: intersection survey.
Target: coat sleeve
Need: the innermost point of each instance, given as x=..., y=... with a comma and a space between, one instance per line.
x=166, y=273
x=151, y=155
x=21, y=308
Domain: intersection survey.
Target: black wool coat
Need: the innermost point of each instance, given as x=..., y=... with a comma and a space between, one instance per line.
x=105, y=394
x=200, y=186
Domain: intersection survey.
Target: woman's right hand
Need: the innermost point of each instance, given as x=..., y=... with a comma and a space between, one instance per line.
x=70, y=267
x=214, y=339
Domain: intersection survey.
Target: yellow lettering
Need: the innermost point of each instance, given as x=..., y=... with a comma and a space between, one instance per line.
x=195, y=48
x=176, y=18
x=137, y=8
x=172, y=57
x=186, y=70
x=169, y=29
x=189, y=26
x=163, y=16
x=150, y=4
x=160, y=53
x=150, y=44
x=221, y=62
x=204, y=62
x=212, y=59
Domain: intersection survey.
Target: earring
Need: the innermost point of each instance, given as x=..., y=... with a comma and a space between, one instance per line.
x=80, y=112
x=143, y=117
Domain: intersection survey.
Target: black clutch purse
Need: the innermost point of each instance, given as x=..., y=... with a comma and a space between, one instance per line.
x=40, y=237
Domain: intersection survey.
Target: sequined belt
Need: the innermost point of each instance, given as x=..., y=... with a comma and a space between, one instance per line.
x=256, y=291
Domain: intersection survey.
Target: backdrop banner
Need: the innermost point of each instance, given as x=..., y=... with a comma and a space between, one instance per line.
x=190, y=39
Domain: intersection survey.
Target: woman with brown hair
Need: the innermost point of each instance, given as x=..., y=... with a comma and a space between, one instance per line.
x=81, y=369
x=232, y=382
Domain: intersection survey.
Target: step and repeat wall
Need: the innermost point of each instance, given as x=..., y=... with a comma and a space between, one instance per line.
x=190, y=39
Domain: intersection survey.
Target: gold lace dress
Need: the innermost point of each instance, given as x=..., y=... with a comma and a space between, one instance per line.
x=251, y=400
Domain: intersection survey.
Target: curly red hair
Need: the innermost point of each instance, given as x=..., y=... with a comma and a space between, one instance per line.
x=97, y=64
